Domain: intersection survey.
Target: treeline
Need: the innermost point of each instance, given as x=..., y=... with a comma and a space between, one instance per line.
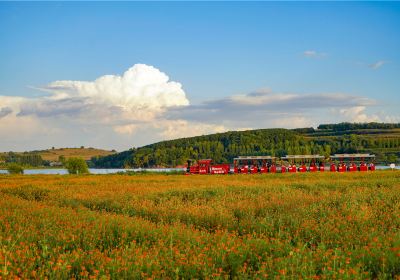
x=353, y=126
x=118, y=160
x=223, y=147
x=26, y=159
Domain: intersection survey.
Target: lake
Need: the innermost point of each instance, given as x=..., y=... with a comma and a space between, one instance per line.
x=62, y=171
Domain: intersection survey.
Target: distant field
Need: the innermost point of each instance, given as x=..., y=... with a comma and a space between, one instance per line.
x=394, y=132
x=326, y=225
x=86, y=153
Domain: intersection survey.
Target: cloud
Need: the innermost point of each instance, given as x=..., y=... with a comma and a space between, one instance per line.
x=110, y=106
x=112, y=111
x=377, y=64
x=390, y=119
x=5, y=111
x=313, y=54
x=126, y=129
x=170, y=129
x=267, y=109
x=141, y=93
x=182, y=128
x=143, y=106
x=358, y=114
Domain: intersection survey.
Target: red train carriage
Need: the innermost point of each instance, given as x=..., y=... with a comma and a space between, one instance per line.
x=311, y=163
x=254, y=164
x=206, y=166
x=352, y=162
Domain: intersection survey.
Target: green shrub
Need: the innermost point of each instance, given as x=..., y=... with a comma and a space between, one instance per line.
x=76, y=166
x=28, y=192
x=14, y=168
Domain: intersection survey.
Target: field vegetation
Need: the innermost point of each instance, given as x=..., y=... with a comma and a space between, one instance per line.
x=320, y=226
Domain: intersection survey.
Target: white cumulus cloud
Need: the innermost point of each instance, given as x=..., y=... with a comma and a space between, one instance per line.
x=141, y=86
x=141, y=93
x=358, y=114
x=110, y=105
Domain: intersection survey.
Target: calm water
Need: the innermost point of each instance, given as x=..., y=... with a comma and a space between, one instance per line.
x=93, y=170
x=116, y=170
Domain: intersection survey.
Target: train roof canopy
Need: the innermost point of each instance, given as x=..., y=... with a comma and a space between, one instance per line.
x=208, y=160
x=253, y=157
x=352, y=156
x=302, y=157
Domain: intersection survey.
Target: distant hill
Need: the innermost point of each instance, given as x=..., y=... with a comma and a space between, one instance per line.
x=378, y=138
x=44, y=157
x=85, y=153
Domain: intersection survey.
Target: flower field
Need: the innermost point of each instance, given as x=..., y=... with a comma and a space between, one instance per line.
x=279, y=226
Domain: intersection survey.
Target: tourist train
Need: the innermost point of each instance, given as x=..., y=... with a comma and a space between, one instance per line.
x=286, y=164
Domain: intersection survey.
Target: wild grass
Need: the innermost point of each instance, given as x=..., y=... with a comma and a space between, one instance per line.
x=326, y=226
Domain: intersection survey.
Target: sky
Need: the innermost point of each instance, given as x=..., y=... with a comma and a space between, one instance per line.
x=126, y=74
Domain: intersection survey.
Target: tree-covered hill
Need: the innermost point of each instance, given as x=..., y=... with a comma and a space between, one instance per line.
x=380, y=139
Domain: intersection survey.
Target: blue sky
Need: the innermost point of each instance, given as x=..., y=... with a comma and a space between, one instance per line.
x=221, y=53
